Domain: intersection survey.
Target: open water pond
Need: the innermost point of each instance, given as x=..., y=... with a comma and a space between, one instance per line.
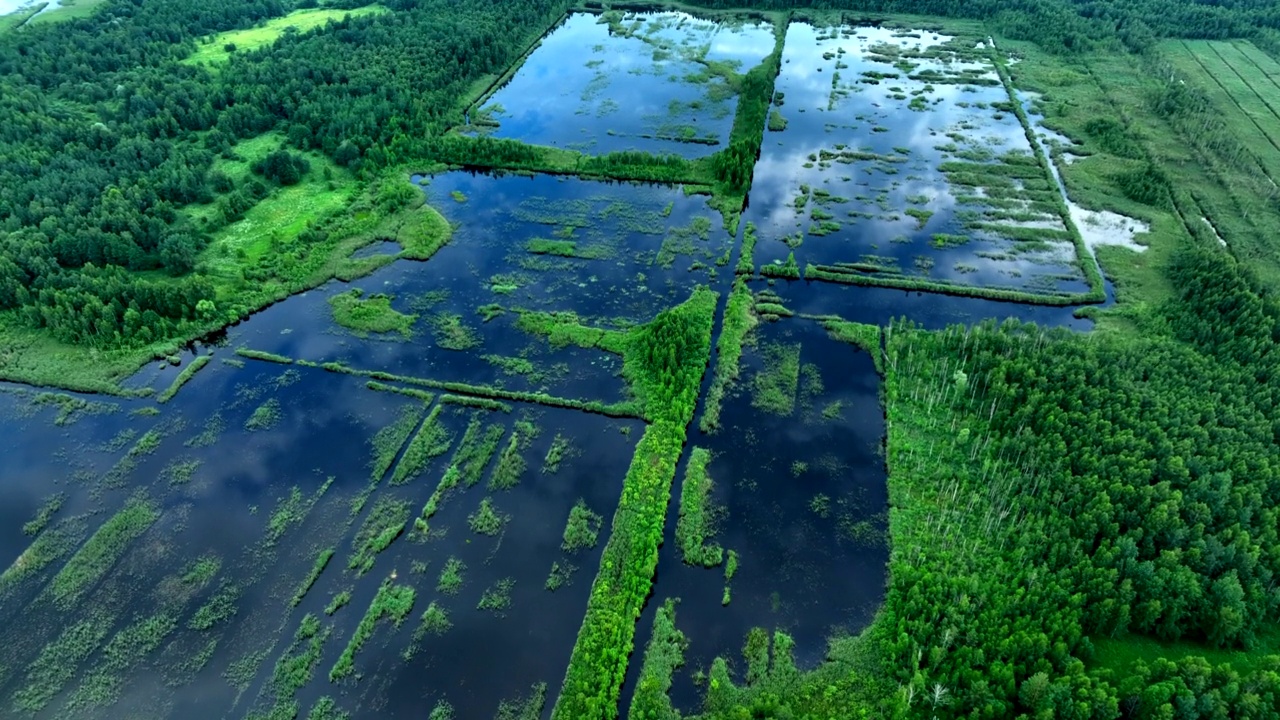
x=652, y=82
x=893, y=152
x=799, y=496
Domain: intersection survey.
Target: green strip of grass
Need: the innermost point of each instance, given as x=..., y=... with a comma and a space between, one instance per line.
x=183, y=377
x=97, y=556
x=667, y=367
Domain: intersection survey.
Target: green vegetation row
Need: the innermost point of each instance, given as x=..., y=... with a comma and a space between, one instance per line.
x=101, y=552
x=669, y=356
x=739, y=319
x=696, y=521
x=183, y=377
x=393, y=602
x=829, y=274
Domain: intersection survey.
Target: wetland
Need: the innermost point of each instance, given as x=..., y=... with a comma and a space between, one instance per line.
x=551, y=444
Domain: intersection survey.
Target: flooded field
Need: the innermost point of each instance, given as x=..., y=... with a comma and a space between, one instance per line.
x=389, y=497
x=650, y=82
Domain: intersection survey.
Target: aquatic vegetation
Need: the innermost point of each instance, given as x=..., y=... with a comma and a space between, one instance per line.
x=739, y=319
x=730, y=569
x=221, y=606
x=372, y=314
x=180, y=471
x=327, y=709
x=486, y=520
x=565, y=328
x=451, y=333
x=118, y=475
x=774, y=388
x=183, y=377
x=921, y=216
x=866, y=337
x=497, y=597
x=451, y=577
x=530, y=708
x=44, y=514
x=295, y=668
x=696, y=521
x=561, y=575
x=666, y=366
x=833, y=410
x=386, y=443
x=264, y=356
x=103, y=683
x=380, y=528
x=317, y=567
x=265, y=417
x=431, y=441
x=475, y=450
x=582, y=530
x=50, y=545
x=338, y=602
x=746, y=261
x=213, y=427
x=475, y=402
x=422, y=395
x=787, y=270
x=662, y=657
x=101, y=552
x=490, y=311
x=434, y=621
x=71, y=408
x=57, y=663
x=393, y=602
x=561, y=448
x=511, y=465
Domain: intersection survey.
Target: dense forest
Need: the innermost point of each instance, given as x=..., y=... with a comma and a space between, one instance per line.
x=105, y=135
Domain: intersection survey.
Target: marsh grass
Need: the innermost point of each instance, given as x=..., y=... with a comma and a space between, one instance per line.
x=265, y=417
x=44, y=514
x=450, y=581
x=370, y=315
x=386, y=443
x=582, y=529
x=529, y=708
x=486, y=520
x=431, y=441
x=773, y=389
x=696, y=521
x=380, y=528
x=561, y=449
x=497, y=597
x=183, y=378
x=101, y=552
x=317, y=567
x=511, y=465
x=561, y=575
x=739, y=320
x=393, y=602
x=434, y=622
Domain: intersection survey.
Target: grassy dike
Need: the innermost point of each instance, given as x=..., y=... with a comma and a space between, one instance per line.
x=669, y=357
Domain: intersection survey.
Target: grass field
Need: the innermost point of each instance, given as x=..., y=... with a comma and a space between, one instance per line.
x=18, y=17
x=1119, y=654
x=1247, y=96
x=284, y=213
x=212, y=50
x=67, y=10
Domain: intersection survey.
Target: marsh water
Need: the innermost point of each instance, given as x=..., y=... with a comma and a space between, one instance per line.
x=255, y=467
